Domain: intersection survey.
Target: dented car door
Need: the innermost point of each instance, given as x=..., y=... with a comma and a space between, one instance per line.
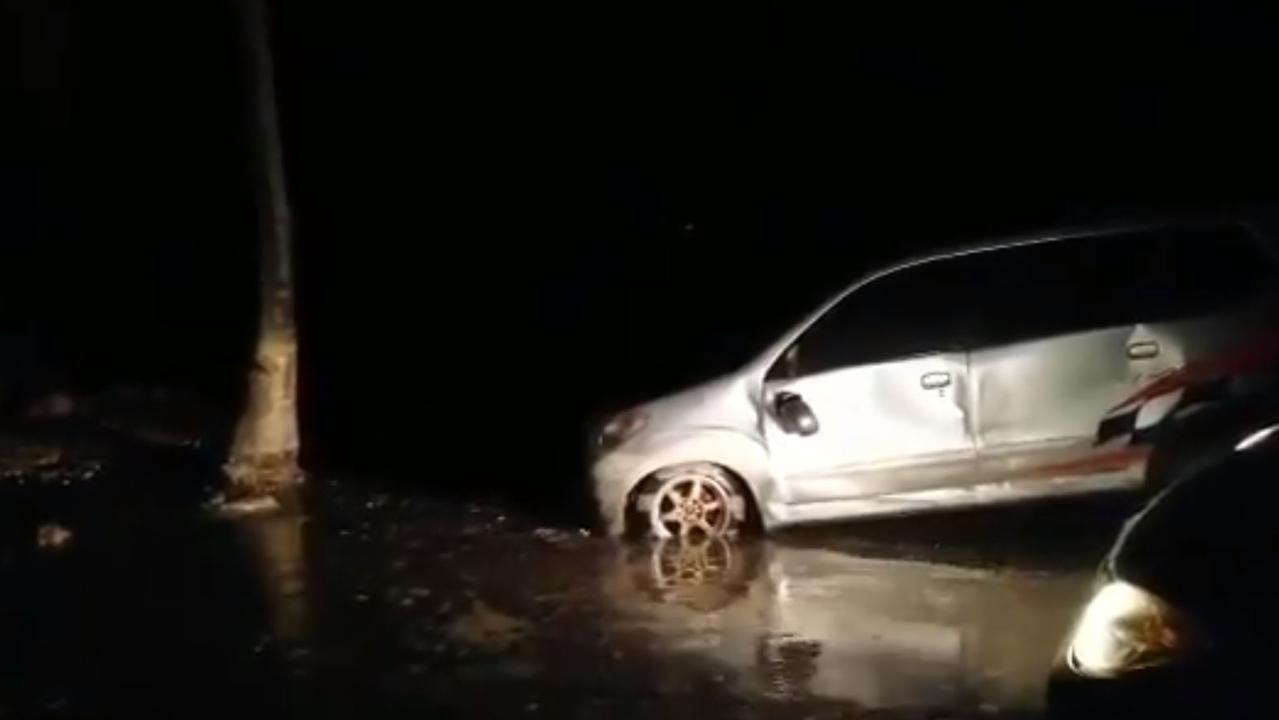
x=1039, y=402
x=883, y=378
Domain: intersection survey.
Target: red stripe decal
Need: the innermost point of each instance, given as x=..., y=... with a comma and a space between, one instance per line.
x=1113, y=461
x=1244, y=359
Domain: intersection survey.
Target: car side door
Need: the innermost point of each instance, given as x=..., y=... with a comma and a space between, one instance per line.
x=1071, y=328
x=1049, y=356
x=884, y=375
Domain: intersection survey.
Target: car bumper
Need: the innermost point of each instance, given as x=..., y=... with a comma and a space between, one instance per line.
x=1147, y=693
x=613, y=474
x=1197, y=689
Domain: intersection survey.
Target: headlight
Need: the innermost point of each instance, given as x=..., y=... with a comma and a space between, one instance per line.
x=621, y=428
x=1125, y=628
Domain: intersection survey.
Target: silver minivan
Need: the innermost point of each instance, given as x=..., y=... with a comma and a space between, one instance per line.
x=965, y=377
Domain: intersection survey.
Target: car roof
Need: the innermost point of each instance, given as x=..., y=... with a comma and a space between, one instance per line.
x=1072, y=232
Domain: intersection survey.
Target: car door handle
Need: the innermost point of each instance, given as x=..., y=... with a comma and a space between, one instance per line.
x=1143, y=350
x=934, y=380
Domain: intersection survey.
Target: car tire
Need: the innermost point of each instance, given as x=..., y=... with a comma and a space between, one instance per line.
x=690, y=500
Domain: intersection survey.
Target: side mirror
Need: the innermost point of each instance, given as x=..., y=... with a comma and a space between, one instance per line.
x=794, y=415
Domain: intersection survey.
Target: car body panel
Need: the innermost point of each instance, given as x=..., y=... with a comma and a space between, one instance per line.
x=877, y=421
x=1049, y=391
x=716, y=422
x=1221, y=357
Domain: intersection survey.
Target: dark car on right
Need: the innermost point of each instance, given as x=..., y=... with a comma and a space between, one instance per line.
x=1184, y=618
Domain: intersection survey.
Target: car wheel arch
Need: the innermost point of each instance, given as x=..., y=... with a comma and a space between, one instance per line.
x=743, y=458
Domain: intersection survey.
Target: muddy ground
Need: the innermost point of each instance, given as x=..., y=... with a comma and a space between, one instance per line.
x=369, y=600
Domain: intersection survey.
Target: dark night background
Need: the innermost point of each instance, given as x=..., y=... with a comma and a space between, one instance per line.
x=513, y=220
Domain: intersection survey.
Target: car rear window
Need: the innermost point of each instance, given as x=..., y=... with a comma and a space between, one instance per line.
x=1079, y=284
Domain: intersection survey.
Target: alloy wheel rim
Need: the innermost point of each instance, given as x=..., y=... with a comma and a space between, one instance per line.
x=690, y=506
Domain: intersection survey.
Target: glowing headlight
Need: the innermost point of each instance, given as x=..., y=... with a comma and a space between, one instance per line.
x=622, y=428
x=1124, y=628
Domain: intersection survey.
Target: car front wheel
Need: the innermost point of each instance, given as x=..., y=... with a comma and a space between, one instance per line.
x=696, y=500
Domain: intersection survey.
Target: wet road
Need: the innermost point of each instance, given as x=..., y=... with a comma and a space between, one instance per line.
x=368, y=603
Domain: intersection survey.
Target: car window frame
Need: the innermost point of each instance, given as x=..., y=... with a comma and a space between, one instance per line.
x=760, y=368
x=953, y=345
x=994, y=314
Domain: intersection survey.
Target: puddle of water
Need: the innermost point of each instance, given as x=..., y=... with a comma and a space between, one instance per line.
x=881, y=633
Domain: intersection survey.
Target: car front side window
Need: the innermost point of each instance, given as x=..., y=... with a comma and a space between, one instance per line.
x=905, y=313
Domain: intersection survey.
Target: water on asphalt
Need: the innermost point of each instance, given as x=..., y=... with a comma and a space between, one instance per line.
x=368, y=603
